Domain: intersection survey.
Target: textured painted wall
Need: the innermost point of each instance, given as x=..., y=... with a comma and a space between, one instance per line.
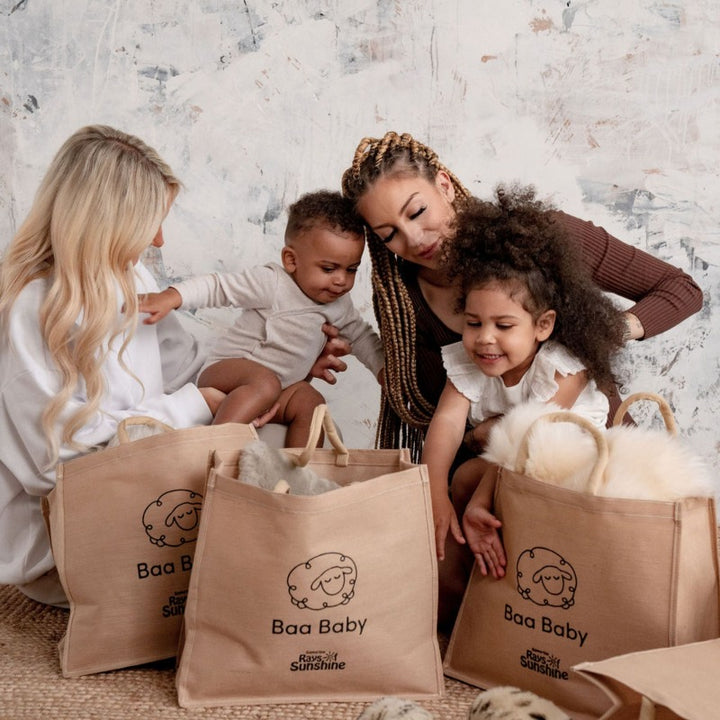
x=610, y=107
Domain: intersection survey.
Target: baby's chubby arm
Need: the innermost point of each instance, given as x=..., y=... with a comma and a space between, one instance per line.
x=158, y=305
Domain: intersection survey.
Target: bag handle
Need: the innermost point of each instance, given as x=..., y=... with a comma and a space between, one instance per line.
x=321, y=420
x=122, y=433
x=665, y=411
x=597, y=474
x=647, y=709
x=282, y=487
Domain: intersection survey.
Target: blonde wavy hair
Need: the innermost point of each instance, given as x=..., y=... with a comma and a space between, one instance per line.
x=404, y=412
x=97, y=209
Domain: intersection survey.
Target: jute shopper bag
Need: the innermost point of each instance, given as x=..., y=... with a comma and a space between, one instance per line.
x=678, y=683
x=588, y=577
x=329, y=597
x=123, y=523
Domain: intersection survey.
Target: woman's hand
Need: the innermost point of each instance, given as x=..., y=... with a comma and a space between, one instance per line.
x=329, y=361
x=158, y=305
x=266, y=417
x=213, y=398
x=445, y=519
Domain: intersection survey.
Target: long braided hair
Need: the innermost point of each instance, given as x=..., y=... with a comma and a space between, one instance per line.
x=404, y=412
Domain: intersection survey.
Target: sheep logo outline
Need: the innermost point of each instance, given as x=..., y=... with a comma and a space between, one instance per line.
x=324, y=581
x=173, y=518
x=546, y=578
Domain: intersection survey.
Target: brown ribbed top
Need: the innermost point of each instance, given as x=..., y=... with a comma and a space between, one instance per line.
x=664, y=295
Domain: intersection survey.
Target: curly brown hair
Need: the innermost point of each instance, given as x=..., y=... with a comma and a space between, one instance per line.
x=323, y=208
x=515, y=241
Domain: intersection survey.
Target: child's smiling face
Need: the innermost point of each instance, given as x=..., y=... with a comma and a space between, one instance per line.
x=500, y=336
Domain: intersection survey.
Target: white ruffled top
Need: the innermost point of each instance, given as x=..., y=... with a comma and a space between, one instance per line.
x=489, y=396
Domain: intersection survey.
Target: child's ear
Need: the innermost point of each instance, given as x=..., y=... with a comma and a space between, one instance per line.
x=288, y=259
x=545, y=325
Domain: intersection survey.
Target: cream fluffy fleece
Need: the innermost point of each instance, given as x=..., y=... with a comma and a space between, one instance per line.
x=643, y=463
x=272, y=469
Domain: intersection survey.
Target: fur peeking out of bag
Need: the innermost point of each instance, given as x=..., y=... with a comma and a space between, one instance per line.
x=392, y=708
x=500, y=703
x=272, y=469
x=137, y=428
x=511, y=703
x=643, y=463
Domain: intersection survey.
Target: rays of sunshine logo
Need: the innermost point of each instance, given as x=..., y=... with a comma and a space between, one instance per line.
x=313, y=660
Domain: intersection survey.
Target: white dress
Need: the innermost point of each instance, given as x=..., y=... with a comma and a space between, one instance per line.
x=489, y=396
x=163, y=358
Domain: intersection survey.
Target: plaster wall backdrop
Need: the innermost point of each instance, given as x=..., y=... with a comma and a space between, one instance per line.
x=611, y=108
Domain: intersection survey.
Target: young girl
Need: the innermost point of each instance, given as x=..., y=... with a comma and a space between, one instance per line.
x=73, y=360
x=535, y=328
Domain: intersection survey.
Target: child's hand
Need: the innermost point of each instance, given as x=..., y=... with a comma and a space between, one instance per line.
x=481, y=530
x=158, y=305
x=445, y=519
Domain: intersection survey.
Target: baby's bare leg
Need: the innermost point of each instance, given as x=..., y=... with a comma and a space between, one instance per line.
x=250, y=387
x=297, y=404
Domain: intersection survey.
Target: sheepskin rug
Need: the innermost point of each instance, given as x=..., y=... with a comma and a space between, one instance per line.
x=393, y=708
x=511, y=703
x=272, y=469
x=643, y=463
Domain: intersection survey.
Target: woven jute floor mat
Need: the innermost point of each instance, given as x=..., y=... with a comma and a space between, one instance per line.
x=32, y=686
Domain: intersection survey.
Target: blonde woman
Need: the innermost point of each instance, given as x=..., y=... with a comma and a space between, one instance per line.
x=74, y=361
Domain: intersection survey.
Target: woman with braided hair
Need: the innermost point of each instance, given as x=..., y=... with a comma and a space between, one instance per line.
x=408, y=200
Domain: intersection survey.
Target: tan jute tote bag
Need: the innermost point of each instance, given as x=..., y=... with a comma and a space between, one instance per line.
x=123, y=524
x=677, y=683
x=588, y=577
x=329, y=597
